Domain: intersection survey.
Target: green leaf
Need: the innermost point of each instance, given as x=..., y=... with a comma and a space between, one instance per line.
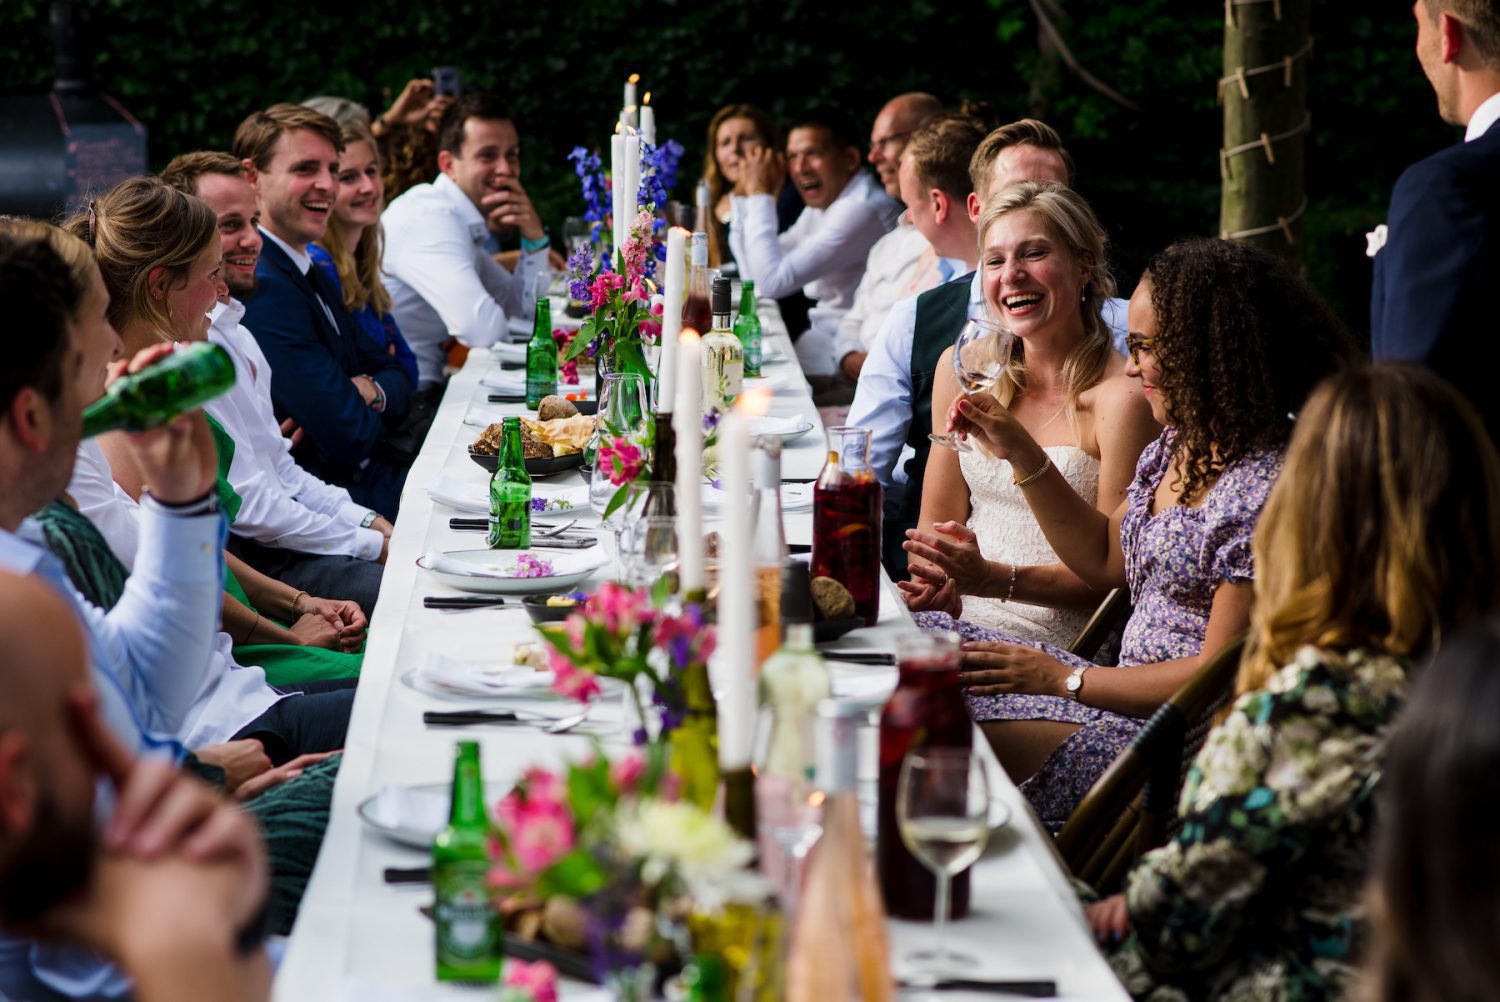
x=576, y=875
x=620, y=497
x=589, y=788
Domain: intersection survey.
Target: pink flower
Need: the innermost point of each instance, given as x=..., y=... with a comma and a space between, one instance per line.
x=538, y=979
x=571, y=681
x=623, y=458
x=542, y=835
x=626, y=772
x=620, y=610
x=604, y=285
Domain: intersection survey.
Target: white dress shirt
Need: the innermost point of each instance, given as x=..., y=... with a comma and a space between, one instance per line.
x=1486, y=115
x=883, y=394
x=902, y=263
x=442, y=281
x=281, y=503
x=230, y=695
x=823, y=253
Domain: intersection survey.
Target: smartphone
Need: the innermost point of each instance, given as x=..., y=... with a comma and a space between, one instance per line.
x=445, y=81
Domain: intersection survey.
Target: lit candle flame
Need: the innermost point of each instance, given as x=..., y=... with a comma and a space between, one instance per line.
x=618, y=125
x=647, y=99
x=634, y=78
x=753, y=403
x=688, y=336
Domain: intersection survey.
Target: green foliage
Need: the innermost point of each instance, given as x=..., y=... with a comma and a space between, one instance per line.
x=192, y=69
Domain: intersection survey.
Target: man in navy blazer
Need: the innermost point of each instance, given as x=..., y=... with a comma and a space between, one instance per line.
x=1436, y=276
x=334, y=382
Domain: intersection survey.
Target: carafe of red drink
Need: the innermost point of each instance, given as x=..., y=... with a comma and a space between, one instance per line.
x=697, y=310
x=846, y=520
x=926, y=711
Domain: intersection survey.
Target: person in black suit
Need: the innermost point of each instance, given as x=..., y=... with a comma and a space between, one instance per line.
x=1436, y=275
x=331, y=380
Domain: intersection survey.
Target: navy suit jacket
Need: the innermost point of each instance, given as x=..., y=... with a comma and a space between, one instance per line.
x=311, y=362
x=1433, y=300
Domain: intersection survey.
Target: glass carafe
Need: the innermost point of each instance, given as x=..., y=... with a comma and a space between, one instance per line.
x=846, y=520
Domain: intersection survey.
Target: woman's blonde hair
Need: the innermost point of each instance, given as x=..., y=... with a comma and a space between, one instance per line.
x=359, y=266
x=1073, y=224
x=1383, y=529
x=142, y=224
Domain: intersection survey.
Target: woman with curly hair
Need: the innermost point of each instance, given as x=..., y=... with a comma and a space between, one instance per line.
x=1380, y=538
x=1227, y=342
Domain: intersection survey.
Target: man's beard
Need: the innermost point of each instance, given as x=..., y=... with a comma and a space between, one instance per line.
x=241, y=288
x=53, y=861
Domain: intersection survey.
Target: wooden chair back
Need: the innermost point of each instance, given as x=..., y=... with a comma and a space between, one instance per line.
x=1107, y=619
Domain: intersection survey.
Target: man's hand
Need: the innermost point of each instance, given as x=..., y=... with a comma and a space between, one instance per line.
x=990, y=669
x=241, y=761
x=178, y=460
x=292, y=431
x=367, y=390
x=852, y=363
x=383, y=526
x=272, y=778
x=509, y=205
x=764, y=171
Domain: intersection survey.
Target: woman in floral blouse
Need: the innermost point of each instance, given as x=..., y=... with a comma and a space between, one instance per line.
x=1382, y=534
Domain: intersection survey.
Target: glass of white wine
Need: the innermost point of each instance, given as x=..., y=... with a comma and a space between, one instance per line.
x=979, y=357
x=943, y=813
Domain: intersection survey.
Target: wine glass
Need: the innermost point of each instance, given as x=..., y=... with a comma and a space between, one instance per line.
x=943, y=813
x=648, y=541
x=979, y=357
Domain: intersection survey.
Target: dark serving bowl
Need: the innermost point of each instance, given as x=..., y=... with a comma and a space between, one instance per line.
x=832, y=629
x=540, y=612
x=545, y=467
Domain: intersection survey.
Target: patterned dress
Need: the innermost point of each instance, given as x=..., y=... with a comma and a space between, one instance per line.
x=1260, y=894
x=1175, y=559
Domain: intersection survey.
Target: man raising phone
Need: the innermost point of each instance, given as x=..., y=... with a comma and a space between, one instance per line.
x=443, y=282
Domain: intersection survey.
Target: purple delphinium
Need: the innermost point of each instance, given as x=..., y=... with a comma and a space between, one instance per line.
x=580, y=273
x=711, y=419
x=590, y=171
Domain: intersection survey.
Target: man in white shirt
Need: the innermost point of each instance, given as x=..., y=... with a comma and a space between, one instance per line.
x=902, y=263
x=290, y=525
x=824, y=252
x=442, y=280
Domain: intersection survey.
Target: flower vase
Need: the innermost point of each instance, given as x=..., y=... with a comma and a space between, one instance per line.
x=695, y=742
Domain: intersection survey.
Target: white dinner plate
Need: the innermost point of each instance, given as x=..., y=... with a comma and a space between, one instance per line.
x=521, y=326
x=459, y=681
x=562, y=502
x=492, y=572
x=788, y=429
x=794, y=497
x=513, y=381
x=413, y=815
x=507, y=351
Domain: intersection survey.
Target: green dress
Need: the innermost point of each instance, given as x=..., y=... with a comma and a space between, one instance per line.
x=284, y=664
x=1260, y=894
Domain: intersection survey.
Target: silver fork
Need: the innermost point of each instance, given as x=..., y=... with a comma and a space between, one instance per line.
x=564, y=724
x=552, y=530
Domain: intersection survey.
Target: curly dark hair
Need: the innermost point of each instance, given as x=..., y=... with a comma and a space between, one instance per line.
x=1241, y=340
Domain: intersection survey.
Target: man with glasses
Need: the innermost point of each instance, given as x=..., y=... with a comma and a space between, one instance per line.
x=902, y=263
x=823, y=253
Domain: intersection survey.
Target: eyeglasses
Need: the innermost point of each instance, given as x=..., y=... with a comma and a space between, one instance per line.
x=879, y=145
x=1134, y=345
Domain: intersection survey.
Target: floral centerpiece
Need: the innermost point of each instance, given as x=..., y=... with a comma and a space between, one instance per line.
x=626, y=633
x=615, y=859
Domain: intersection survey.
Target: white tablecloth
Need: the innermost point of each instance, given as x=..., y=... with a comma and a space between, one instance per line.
x=359, y=939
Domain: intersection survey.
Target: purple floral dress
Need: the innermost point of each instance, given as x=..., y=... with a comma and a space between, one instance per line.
x=1175, y=559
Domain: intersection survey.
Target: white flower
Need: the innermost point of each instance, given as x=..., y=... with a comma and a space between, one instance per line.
x=699, y=849
x=1375, y=239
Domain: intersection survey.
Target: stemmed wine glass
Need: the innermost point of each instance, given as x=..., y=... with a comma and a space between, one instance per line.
x=622, y=415
x=943, y=813
x=648, y=544
x=979, y=357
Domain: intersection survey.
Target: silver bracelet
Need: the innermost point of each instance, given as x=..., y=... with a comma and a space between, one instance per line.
x=1011, y=591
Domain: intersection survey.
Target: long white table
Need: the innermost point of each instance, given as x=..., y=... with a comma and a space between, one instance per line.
x=358, y=938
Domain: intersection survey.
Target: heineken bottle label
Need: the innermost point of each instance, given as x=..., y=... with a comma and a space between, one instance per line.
x=466, y=921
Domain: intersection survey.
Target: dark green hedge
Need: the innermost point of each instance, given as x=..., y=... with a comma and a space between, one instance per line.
x=191, y=69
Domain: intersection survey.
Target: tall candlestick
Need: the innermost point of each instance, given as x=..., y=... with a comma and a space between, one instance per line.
x=687, y=424
x=630, y=83
x=648, y=121
x=671, y=317
x=618, y=179
x=735, y=646
x=633, y=175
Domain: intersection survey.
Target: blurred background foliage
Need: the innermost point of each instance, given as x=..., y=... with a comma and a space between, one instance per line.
x=191, y=69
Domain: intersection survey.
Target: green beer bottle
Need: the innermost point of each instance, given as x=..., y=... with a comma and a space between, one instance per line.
x=541, y=356
x=747, y=329
x=187, y=378
x=510, y=493
x=468, y=924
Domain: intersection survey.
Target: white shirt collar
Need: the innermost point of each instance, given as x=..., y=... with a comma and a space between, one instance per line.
x=299, y=258
x=226, y=316
x=17, y=555
x=467, y=211
x=1486, y=115
x=976, y=288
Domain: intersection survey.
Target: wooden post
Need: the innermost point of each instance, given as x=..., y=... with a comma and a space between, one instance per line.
x=1264, y=94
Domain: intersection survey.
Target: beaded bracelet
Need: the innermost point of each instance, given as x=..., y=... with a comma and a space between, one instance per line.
x=1046, y=465
x=1009, y=592
x=295, y=599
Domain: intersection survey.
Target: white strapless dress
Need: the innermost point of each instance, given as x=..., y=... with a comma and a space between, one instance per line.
x=1007, y=531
